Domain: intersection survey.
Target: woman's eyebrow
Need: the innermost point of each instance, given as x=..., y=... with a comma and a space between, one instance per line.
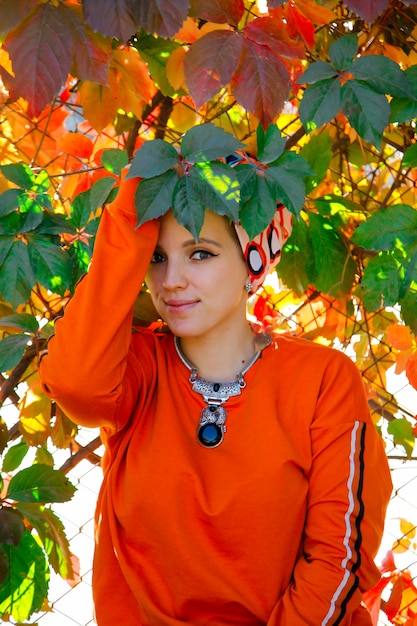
x=201, y=240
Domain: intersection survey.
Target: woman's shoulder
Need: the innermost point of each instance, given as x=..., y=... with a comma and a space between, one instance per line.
x=309, y=354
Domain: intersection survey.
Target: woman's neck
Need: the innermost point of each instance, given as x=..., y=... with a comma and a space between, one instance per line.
x=220, y=358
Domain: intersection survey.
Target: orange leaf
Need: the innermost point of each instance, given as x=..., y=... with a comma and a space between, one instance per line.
x=314, y=12
x=411, y=370
x=134, y=74
x=99, y=104
x=399, y=336
x=175, y=68
x=76, y=144
x=189, y=32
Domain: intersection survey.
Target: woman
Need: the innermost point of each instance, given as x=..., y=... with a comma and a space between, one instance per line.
x=244, y=482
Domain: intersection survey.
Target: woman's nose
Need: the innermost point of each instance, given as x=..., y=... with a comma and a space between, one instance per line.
x=175, y=276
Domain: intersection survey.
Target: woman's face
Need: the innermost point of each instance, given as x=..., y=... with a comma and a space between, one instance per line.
x=198, y=288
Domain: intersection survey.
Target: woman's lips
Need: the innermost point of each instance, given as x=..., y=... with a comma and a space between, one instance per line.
x=180, y=306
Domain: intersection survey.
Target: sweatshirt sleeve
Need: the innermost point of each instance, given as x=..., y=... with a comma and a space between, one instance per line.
x=349, y=489
x=86, y=359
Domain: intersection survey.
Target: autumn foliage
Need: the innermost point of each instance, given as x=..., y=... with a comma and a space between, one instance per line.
x=320, y=100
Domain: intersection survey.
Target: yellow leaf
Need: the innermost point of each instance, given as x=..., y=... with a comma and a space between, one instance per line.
x=208, y=27
x=183, y=116
x=64, y=430
x=407, y=528
x=175, y=68
x=35, y=414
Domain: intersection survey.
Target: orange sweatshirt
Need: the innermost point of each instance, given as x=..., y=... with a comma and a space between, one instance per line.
x=278, y=526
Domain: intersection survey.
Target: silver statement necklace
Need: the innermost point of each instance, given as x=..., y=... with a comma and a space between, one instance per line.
x=211, y=428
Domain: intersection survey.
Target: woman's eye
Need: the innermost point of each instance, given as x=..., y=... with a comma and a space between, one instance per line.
x=157, y=257
x=201, y=255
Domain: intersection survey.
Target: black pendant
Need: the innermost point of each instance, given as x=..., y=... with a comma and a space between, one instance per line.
x=211, y=428
x=210, y=435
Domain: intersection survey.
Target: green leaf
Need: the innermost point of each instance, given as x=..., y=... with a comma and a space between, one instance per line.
x=12, y=349
x=367, y=111
x=410, y=156
x=408, y=303
x=317, y=71
x=381, y=282
x=207, y=142
x=153, y=158
x=259, y=209
x=81, y=209
x=6, y=243
x=332, y=204
x=335, y=268
x=56, y=224
x=99, y=193
x=382, y=74
x=402, y=432
x=52, y=534
x=11, y=526
x=40, y=483
x=22, y=321
x=153, y=196
x=114, y=160
x=16, y=275
x=52, y=265
x=217, y=187
x=271, y=144
x=42, y=183
x=286, y=177
x=405, y=109
x=155, y=52
x=297, y=266
x=387, y=227
x=26, y=585
x=19, y=174
x=187, y=208
x=14, y=456
x=10, y=200
x=343, y=51
x=320, y=104
x=318, y=154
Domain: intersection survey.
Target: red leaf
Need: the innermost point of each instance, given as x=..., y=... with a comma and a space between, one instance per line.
x=388, y=563
x=211, y=63
x=271, y=32
x=163, y=17
x=368, y=10
x=273, y=4
x=91, y=51
x=393, y=603
x=218, y=11
x=110, y=18
x=40, y=51
x=13, y=11
x=299, y=25
x=262, y=82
